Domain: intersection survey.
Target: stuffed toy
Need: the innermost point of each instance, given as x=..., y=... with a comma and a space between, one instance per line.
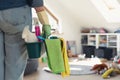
x=111, y=72
x=99, y=67
x=114, y=68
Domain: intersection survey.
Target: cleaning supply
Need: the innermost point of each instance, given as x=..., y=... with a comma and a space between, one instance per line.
x=37, y=30
x=40, y=38
x=65, y=58
x=54, y=55
x=34, y=49
x=29, y=36
x=32, y=44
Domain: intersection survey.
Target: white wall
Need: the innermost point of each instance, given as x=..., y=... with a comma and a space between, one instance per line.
x=67, y=20
x=75, y=14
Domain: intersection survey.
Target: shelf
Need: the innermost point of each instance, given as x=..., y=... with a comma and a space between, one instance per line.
x=101, y=39
x=106, y=41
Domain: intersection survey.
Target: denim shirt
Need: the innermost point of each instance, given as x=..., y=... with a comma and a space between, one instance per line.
x=7, y=4
x=35, y=3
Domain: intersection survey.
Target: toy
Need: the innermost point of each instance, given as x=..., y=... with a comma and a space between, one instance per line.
x=111, y=72
x=114, y=68
x=70, y=54
x=107, y=73
x=99, y=67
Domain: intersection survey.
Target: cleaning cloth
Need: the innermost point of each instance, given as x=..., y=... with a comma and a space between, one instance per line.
x=54, y=54
x=65, y=58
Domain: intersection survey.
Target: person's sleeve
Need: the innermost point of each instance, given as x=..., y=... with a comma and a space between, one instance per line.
x=35, y=3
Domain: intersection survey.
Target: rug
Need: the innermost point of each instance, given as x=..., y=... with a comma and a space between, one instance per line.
x=76, y=70
x=80, y=70
x=80, y=67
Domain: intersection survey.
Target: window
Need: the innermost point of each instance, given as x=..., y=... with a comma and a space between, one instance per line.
x=110, y=9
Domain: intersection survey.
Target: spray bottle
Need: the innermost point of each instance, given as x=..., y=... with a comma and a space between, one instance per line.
x=37, y=31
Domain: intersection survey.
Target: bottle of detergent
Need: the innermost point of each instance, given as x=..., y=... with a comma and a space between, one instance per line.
x=37, y=30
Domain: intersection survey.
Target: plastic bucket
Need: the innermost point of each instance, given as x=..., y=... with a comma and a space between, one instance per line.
x=34, y=49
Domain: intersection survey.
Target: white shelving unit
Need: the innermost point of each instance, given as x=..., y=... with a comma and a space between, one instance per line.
x=109, y=40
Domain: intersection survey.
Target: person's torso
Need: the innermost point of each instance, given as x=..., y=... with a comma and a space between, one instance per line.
x=7, y=4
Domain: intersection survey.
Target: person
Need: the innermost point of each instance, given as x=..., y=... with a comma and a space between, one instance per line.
x=14, y=16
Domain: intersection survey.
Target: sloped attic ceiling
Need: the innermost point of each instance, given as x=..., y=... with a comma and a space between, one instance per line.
x=84, y=12
x=118, y=1
x=110, y=9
